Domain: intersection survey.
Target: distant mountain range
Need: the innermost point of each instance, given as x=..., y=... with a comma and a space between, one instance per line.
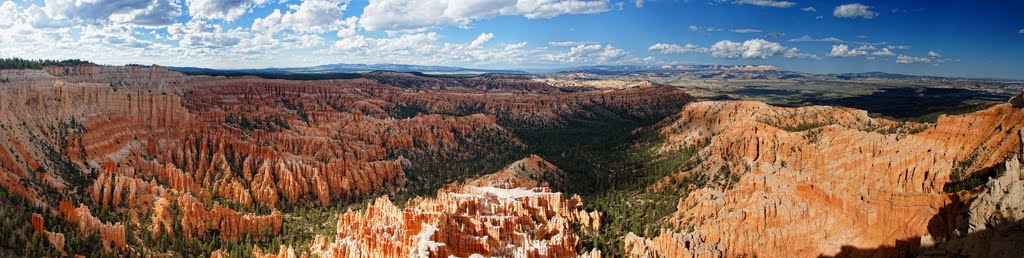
x=339, y=71
x=352, y=68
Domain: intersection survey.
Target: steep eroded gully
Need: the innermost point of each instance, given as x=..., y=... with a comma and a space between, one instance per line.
x=848, y=183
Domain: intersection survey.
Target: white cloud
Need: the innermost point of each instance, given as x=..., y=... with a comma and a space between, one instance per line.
x=201, y=34
x=899, y=47
x=746, y=30
x=795, y=53
x=934, y=54
x=481, y=40
x=348, y=27
x=807, y=38
x=590, y=53
x=349, y=43
x=902, y=59
x=767, y=3
x=220, y=9
x=664, y=48
x=1021, y=31
x=854, y=10
x=843, y=50
x=397, y=15
x=144, y=13
x=699, y=28
x=569, y=43
x=8, y=13
x=750, y=49
x=119, y=36
x=809, y=9
x=516, y=46
x=883, y=52
x=312, y=16
x=427, y=49
x=638, y=3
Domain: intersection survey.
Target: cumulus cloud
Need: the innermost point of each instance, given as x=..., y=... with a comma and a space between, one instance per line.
x=8, y=13
x=638, y=3
x=750, y=49
x=902, y=59
x=314, y=16
x=843, y=50
x=144, y=13
x=590, y=53
x=427, y=49
x=481, y=40
x=795, y=53
x=202, y=34
x=934, y=54
x=883, y=52
x=807, y=38
x=746, y=30
x=397, y=15
x=854, y=10
x=221, y=9
x=809, y=9
x=664, y=48
x=767, y=3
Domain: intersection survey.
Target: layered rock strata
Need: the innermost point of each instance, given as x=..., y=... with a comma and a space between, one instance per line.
x=818, y=180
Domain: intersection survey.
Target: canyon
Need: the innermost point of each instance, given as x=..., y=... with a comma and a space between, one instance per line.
x=145, y=161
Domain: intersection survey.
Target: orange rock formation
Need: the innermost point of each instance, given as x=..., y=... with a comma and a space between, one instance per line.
x=144, y=141
x=503, y=219
x=855, y=183
x=111, y=235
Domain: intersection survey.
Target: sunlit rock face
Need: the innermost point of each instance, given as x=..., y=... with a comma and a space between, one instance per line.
x=199, y=157
x=820, y=180
x=501, y=214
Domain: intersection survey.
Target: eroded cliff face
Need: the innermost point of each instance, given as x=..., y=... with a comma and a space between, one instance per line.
x=497, y=215
x=818, y=180
x=183, y=156
x=530, y=172
x=989, y=224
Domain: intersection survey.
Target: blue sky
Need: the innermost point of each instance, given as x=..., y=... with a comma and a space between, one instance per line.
x=947, y=38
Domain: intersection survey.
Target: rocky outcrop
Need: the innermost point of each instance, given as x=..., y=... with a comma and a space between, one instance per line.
x=219, y=253
x=530, y=172
x=111, y=235
x=161, y=218
x=992, y=225
x=148, y=144
x=479, y=218
x=196, y=221
x=118, y=76
x=55, y=239
x=283, y=252
x=497, y=82
x=818, y=180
